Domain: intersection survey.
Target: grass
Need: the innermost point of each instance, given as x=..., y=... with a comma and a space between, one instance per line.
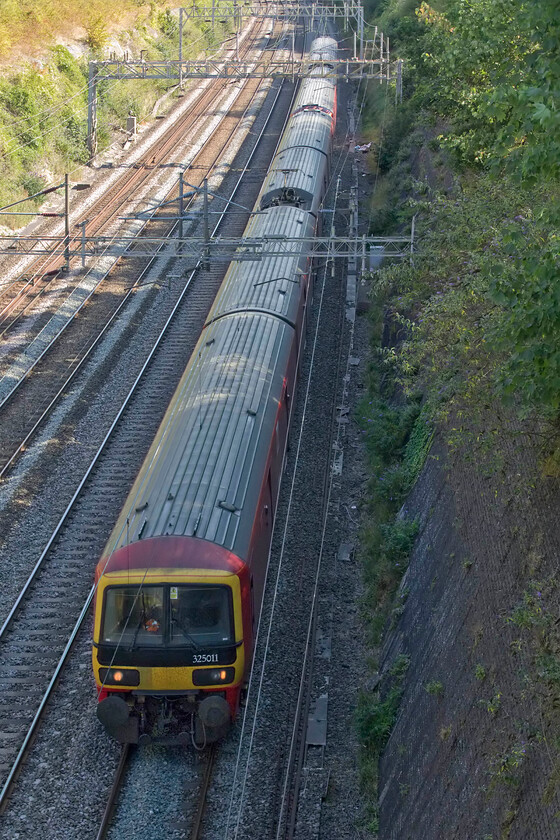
x=505, y=769
x=397, y=434
x=480, y=672
x=435, y=688
x=375, y=718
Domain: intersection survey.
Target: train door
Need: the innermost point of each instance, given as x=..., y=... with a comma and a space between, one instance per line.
x=260, y=549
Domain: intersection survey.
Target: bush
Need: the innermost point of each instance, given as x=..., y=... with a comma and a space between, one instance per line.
x=376, y=716
x=43, y=111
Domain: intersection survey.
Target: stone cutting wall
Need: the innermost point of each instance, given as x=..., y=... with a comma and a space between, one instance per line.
x=475, y=752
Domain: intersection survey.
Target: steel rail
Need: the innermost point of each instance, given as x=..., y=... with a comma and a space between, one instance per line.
x=39, y=713
x=201, y=807
x=113, y=793
x=294, y=764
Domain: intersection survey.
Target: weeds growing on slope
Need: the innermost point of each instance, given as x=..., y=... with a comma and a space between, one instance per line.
x=375, y=718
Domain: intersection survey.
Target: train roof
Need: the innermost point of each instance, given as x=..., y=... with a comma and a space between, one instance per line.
x=308, y=128
x=203, y=474
x=198, y=477
x=167, y=553
x=315, y=91
x=267, y=284
x=297, y=174
x=323, y=48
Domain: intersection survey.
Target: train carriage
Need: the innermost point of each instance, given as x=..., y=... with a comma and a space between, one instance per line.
x=181, y=579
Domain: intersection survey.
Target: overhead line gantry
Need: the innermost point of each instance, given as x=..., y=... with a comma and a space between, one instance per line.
x=370, y=60
x=243, y=249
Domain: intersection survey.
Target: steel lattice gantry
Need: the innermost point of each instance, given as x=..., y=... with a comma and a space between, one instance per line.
x=272, y=8
x=197, y=248
x=377, y=67
x=172, y=69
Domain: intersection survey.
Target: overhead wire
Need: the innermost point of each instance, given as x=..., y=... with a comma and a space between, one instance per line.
x=244, y=774
x=277, y=583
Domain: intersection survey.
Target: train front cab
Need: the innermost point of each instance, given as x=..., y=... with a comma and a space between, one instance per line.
x=170, y=652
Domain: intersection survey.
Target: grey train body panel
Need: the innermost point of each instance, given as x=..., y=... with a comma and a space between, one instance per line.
x=323, y=48
x=318, y=96
x=298, y=174
x=204, y=472
x=205, y=480
x=269, y=283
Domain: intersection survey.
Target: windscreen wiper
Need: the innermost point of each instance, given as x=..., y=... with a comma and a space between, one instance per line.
x=186, y=634
x=141, y=621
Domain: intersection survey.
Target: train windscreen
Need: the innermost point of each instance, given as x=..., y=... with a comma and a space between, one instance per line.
x=174, y=616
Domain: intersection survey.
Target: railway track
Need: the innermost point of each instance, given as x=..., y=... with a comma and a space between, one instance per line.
x=196, y=829
x=296, y=757
x=299, y=556
x=43, y=616
x=131, y=778
x=63, y=352
x=275, y=756
x=114, y=793
x=27, y=292
x=255, y=812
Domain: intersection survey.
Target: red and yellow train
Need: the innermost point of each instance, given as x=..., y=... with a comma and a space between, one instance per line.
x=181, y=580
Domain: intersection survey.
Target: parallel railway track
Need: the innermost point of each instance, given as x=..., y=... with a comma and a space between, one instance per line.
x=198, y=769
x=41, y=274
x=274, y=807
x=102, y=215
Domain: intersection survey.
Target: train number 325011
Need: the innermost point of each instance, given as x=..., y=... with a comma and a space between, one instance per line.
x=198, y=658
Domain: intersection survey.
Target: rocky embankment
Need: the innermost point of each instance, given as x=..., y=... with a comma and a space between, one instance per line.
x=474, y=751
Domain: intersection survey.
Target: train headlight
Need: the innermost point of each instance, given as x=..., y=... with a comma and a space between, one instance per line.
x=119, y=676
x=213, y=676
